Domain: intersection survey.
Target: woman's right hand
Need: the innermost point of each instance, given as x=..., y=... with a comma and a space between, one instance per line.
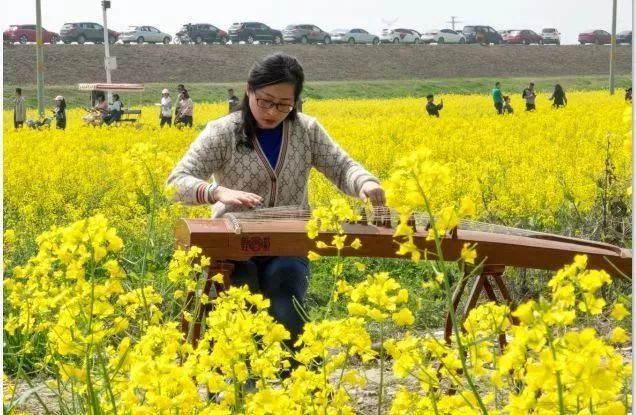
x=237, y=197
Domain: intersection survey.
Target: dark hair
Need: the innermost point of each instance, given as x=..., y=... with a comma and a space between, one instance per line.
x=19, y=91
x=181, y=86
x=116, y=96
x=497, y=83
x=531, y=83
x=184, y=94
x=63, y=104
x=273, y=69
x=429, y=96
x=558, y=87
x=506, y=97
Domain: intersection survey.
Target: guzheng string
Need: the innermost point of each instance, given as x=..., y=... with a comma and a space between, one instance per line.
x=376, y=215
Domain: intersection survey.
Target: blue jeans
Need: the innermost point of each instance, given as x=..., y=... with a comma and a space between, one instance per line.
x=281, y=279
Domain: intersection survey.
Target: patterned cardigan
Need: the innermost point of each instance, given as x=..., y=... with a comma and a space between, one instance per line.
x=305, y=145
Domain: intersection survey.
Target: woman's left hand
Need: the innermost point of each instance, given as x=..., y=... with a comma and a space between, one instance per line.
x=371, y=191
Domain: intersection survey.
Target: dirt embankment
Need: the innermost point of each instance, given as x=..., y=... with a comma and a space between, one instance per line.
x=70, y=64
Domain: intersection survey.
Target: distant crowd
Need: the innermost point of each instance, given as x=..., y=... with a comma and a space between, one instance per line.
x=502, y=102
x=103, y=112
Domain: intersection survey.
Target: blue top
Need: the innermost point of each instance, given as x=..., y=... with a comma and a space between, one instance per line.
x=270, y=141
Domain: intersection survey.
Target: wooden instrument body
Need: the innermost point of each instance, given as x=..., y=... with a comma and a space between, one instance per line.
x=220, y=239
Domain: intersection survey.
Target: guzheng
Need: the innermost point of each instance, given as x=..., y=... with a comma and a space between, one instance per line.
x=282, y=232
x=277, y=232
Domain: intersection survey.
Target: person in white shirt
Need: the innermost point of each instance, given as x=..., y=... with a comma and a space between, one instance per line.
x=114, y=110
x=166, y=108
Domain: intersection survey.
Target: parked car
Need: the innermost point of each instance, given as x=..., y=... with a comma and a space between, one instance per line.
x=24, y=33
x=624, y=37
x=201, y=32
x=600, y=37
x=551, y=35
x=443, y=36
x=481, y=34
x=400, y=36
x=525, y=37
x=141, y=34
x=86, y=32
x=352, y=36
x=251, y=32
x=305, y=33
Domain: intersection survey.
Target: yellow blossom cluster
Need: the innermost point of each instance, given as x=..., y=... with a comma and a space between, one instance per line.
x=110, y=335
x=524, y=169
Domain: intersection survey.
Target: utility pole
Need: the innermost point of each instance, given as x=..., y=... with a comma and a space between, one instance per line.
x=613, y=50
x=108, y=63
x=453, y=21
x=39, y=57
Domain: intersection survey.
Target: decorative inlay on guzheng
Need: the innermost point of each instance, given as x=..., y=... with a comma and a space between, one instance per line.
x=282, y=232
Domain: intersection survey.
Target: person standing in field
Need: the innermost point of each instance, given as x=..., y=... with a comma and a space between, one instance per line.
x=19, y=109
x=558, y=97
x=232, y=101
x=432, y=108
x=529, y=96
x=60, y=112
x=166, y=108
x=177, y=109
x=497, y=97
x=628, y=95
x=186, y=108
x=262, y=155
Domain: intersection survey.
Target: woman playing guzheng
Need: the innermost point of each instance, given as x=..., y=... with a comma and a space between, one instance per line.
x=261, y=156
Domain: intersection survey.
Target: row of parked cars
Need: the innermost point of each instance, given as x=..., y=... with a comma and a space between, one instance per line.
x=252, y=32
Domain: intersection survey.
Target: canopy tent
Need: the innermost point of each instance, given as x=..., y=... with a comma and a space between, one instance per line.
x=111, y=87
x=98, y=89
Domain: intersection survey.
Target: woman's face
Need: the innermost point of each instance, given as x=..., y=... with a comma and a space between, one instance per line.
x=281, y=94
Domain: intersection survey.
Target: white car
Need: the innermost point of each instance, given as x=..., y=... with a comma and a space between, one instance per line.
x=141, y=34
x=551, y=35
x=443, y=36
x=353, y=36
x=399, y=36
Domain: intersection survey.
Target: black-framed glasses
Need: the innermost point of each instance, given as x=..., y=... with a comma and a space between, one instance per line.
x=267, y=104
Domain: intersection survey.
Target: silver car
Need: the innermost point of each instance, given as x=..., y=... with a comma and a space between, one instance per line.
x=353, y=36
x=141, y=34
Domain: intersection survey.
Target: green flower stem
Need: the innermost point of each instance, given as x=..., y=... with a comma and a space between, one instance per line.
x=339, y=260
x=449, y=301
x=381, y=389
x=558, y=373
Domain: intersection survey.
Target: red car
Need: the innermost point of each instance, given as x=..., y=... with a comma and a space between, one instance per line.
x=523, y=36
x=24, y=33
x=600, y=37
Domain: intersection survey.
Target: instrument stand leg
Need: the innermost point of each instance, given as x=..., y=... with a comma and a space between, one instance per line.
x=484, y=282
x=212, y=290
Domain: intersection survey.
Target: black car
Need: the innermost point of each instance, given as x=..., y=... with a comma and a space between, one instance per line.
x=481, y=34
x=86, y=32
x=251, y=32
x=201, y=32
x=624, y=37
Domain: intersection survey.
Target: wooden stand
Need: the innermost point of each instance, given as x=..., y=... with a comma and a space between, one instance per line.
x=490, y=274
x=212, y=290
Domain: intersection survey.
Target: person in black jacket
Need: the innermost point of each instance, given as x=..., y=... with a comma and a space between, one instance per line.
x=433, y=108
x=558, y=97
x=60, y=112
x=232, y=101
